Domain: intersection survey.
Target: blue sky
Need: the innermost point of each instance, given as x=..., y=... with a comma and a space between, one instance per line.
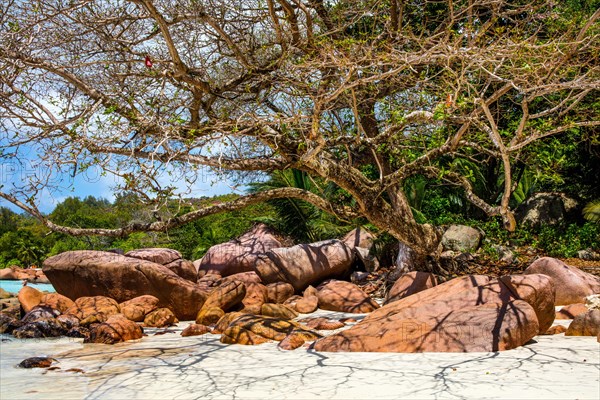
x=93, y=183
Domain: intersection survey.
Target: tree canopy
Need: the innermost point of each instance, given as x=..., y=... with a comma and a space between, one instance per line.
x=369, y=96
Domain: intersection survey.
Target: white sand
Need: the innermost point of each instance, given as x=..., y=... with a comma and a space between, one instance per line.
x=169, y=366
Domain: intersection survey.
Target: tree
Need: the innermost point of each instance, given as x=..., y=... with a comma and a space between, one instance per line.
x=362, y=94
x=8, y=220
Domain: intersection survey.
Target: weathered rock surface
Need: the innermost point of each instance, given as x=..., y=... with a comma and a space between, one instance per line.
x=208, y=282
x=588, y=254
x=471, y=313
x=410, y=283
x=241, y=335
x=545, y=209
x=117, y=328
x=571, y=311
x=57, y=301
x=322, y=324
x=296, y=338
x=309, y=301
x=30, y=297
x=593, y=302
x=505, y=254
x=160, y=318
x=237, y=255
x=40, y=322
x=11, y=307
x=279, y=292
x=137, y=308
x=461, y=238
x=225, y=320
x=8, y=323
x=555, y=330
x=4, y=294
x=32, y=275
x=68, y=321
x=39, y=312
x=344, y=296
x=279, y=311
x=465, y=330
x=587, y=324
x=572, y=284
x=244, y=277
x=291, y=302
x=184, y=269
x=406, y=261
x=195, y=330
x=78, y=332
x=91, y=273
x=292, y=341
x=537, y=290
x=157, y=255
x=305, y=264
x=364, y=257
x=252, y=329
x=226, y=296
x=99, y=307
x=256, y=295
x=36, y=362
x=252, y=309
x=359, y=237
x=359, y=277
x=209, y=315
x=8, y=274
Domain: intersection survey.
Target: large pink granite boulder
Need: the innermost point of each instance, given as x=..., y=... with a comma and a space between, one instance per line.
x=96, y=273
x=238, y=255
x=410, y=283
x=572, y=284
x=305, y=264
x=467, y=314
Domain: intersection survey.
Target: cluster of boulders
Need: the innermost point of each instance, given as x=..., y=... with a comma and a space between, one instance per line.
x=14, y=273
x=246, y=311
x=302, y=265
x=183, y=286
x=104, y=296
x=253, y=290
x=97, y=319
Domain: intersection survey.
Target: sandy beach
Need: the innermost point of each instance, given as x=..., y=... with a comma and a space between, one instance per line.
x=173, y=367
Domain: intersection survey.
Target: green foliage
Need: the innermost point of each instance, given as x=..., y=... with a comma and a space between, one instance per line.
x=22, y=246
x=525, y=187
x=135, y=241
x=553, y=240
x=297, y=218
x=87, y=213
x=443, y=206
x=68, y=243
x=10, y=263
x=567, y=241
x=591, y=211
x=194, y=239
x=8, y=220
x=25, y=242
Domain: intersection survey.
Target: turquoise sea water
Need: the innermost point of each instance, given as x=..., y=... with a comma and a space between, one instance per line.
x=15, y=286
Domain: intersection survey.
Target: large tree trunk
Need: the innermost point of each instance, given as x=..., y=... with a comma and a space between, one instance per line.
x=398, y=221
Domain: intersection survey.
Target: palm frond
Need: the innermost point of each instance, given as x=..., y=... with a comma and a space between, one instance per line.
x=298, y=218
x=591, y=211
